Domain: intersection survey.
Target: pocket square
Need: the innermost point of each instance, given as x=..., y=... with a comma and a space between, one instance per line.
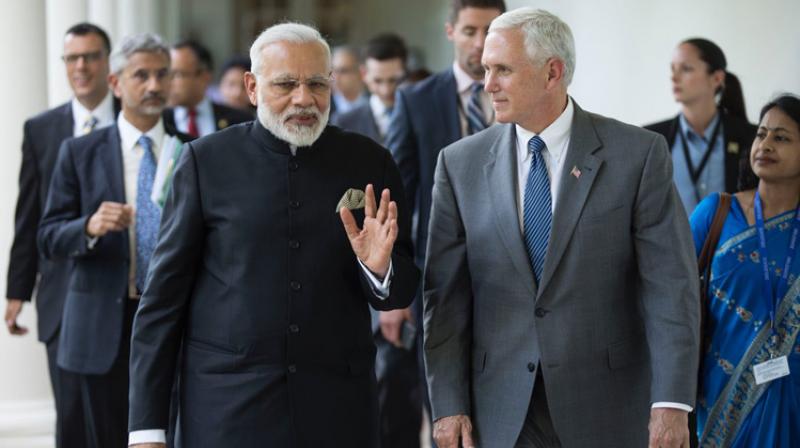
x=352, y=199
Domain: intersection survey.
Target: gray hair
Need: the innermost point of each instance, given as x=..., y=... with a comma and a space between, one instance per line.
x=145, y=42
x=546, y=36
x=285, y=32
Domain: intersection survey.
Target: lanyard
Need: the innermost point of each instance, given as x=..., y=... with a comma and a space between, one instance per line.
x=762, y=249
x=695, y=174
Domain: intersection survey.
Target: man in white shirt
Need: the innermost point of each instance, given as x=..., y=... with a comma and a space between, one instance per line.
x=194, y=113
x=102, y=215
x=86, y=50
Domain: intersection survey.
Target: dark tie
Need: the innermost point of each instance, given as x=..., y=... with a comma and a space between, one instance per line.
x=476, y=120
x=192, y=129
x=537, y=212
x=148, y=214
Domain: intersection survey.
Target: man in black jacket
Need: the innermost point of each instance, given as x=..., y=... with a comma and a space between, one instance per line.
x=266, y=266
x=86, y=51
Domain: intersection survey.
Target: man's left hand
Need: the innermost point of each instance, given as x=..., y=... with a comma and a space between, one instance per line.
x=373, y=244
x=669, y=428
x=392, y=325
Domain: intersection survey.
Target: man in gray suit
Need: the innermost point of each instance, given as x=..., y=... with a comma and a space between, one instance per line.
x=561, y=302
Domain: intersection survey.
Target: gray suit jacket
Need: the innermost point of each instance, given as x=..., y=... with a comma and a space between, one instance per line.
x=614, y=322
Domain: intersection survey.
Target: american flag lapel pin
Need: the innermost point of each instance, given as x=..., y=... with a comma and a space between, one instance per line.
x=575, y=172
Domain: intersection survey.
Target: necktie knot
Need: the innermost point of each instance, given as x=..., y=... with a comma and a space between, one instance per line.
x=476, y=87
x=146, y=143
x=536, y=145
x=89, y=124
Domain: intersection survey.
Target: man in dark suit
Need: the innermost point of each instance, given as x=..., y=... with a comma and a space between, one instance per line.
x=102, y=214
x=396, y=366
x=193, y=112
x=561, y=292
x=86, y=50
x=348, y=88
x=256, y=273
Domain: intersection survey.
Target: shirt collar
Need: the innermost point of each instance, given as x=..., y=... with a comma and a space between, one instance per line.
x=203, y=109
x=129, y=135
x=463, y=81
x=377, y=106
x=554, y=135
x=686, y=129
x=104, y=112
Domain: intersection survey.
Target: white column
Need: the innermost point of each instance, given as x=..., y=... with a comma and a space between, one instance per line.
x=103, y=14
x=61, y=14
x=26, y=409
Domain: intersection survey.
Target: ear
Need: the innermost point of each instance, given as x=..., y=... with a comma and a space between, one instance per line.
x=555, y=71
x=449, y=30
x=718, y=79
x=113, y=83
x=251, y=87
x=363, y=70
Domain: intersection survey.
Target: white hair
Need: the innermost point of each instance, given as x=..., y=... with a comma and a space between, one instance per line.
x=285, y=32
x=145, y=42
x=546, y=36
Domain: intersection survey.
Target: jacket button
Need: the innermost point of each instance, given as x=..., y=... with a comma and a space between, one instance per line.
x=294, y=204
x=294, y=165
x=292, y=368
x=295, y=286
x=294, y=328
x=294, y=244
x=531, y=367
x=540, y=312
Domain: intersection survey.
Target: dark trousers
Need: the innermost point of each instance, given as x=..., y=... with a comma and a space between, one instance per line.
x=399, y=395
x=538, y=430
x=105, y=397
x=70, y=424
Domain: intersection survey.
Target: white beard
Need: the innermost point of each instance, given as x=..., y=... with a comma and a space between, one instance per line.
x=294, y=135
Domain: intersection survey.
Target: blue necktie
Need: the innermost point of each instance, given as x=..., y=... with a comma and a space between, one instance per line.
x=537, y=212
x=148, y=214
x=476, y=120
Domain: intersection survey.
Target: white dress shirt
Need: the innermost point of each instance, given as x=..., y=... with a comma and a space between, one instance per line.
x=104, y=113
x=556, y=138
x=380, y=113
x=204, y=118
x=464, y=84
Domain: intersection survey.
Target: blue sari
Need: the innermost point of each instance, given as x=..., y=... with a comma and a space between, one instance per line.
x=732, y=411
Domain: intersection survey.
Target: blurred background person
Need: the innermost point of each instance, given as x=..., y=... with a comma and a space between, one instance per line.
x=396, y=366
x=751, y=319
x=711, y=131
x=231, y=84
x=194, y=113
x=348, y=89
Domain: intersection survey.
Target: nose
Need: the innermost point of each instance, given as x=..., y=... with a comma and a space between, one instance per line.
x=301, y=96
x=478, y=41
x=490, y=82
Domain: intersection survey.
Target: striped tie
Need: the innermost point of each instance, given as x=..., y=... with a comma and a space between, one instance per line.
x=88, y=125
x=476, y=120
x=537, y=211
x=148, y=214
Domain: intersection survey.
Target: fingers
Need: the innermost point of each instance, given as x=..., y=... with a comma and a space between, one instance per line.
x=13, y=308
x=369, y=201
x=383, y=210
x=349, y=222
x=110, y=217
x=466, y=436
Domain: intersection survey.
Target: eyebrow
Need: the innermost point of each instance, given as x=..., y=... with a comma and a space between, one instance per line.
x=774, y=129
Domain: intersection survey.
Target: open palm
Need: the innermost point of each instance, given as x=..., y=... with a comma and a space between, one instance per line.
x=373, y=243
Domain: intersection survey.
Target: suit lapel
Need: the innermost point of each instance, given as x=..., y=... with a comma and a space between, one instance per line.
x=66, y=125
x=446, y=93
x=111, y=155
x=501, y=179
x=573, y=190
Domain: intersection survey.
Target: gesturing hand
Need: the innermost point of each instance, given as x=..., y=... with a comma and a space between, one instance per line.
x=373, y=244
x=109, y=217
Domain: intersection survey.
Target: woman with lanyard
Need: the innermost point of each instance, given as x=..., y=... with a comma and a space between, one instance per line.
x=749, y=387
x=706, y=138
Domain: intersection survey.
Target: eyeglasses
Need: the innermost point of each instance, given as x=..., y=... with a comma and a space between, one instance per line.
x=179, y=74
x=72, y=59
x=318, y=85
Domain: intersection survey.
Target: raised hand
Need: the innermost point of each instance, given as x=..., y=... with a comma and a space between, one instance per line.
x=373, y=244
x=109, y=217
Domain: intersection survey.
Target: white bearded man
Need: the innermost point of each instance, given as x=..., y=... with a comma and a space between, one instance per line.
x=274, y=243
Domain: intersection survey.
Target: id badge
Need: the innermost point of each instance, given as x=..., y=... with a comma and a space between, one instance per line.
x=771, y=370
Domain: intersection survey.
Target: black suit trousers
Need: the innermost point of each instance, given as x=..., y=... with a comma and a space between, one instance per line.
x=70, y=424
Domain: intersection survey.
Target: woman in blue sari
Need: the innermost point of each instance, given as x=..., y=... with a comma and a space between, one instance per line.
x=753, y=309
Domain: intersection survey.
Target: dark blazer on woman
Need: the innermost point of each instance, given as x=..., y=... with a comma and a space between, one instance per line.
x=739, y=135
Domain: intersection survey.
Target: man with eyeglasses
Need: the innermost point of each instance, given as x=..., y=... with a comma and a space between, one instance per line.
x=86, y=50
x=102, y=213
x=193, y=112
x=396, y=365
x=348, y=89
x=277, y=238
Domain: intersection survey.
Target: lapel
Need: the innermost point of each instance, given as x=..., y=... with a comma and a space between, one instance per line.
x=501, y=179
x=111, y=155
x=446, y=98
x=572, y=191
x=66, y=125
x=372, y=130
